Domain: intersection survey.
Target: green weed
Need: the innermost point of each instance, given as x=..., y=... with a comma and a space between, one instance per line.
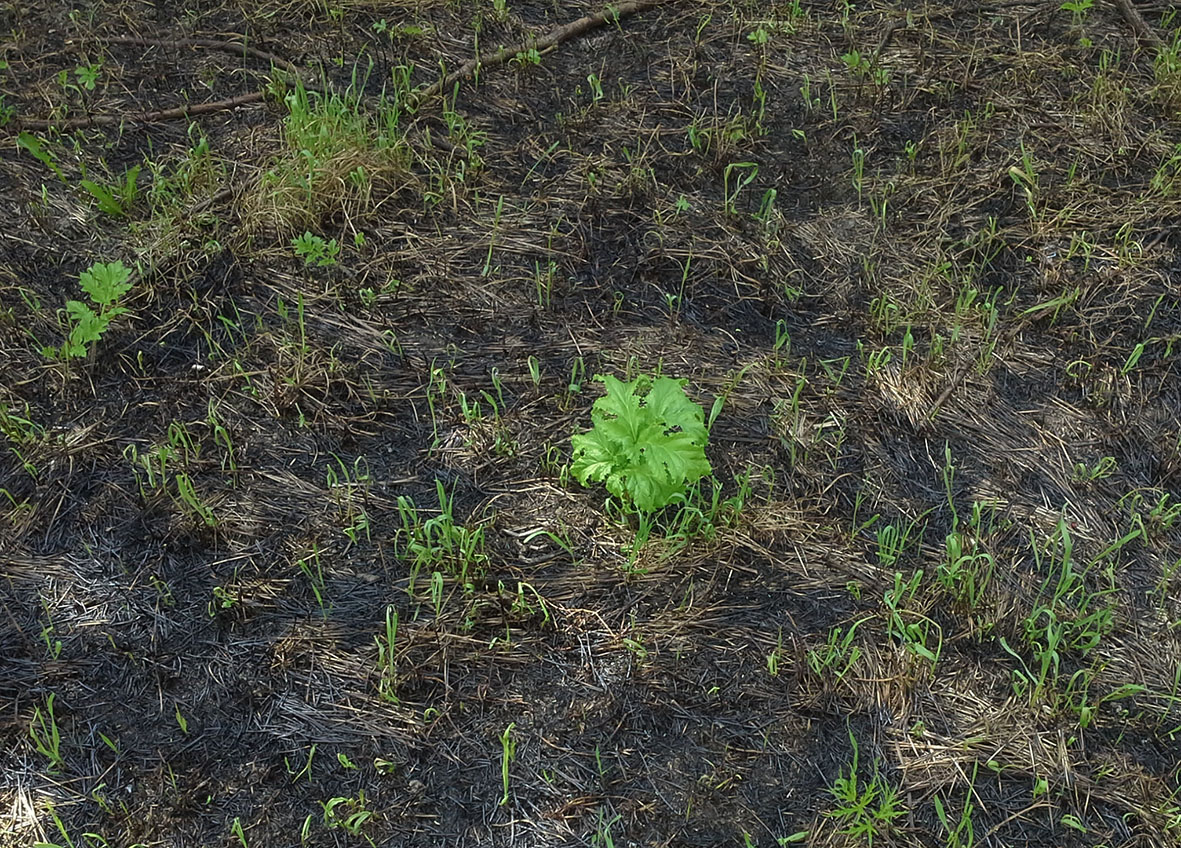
x=387, y=658
x=866, y=809
x=647, y=444
x=440, y=542
x=837, y=656
x=315, y=251
x=46, y=736
x=913, y=629
x=33, y=146
x=1068, y=617
x=116, y=198
x=963, y=834
x=313, y=570
x=105, y=284
x=338, y=147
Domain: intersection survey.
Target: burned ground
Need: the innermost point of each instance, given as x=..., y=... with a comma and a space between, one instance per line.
x=293, y=553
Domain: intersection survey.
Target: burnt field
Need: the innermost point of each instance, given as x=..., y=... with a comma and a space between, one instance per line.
x=301, y=304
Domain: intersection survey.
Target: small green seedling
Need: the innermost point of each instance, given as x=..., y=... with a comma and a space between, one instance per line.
x=32, y=145
x=315, y=251
x=508, y=752
x=105, y=283
x=647, y=444
x=46, y=737
x=87, y=75
x=115, y=199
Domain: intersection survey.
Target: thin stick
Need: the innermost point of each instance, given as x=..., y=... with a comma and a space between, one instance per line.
x=1133, y=17
x=555, y=36
x=963, y=370
x=235, y=47
x=143, y=117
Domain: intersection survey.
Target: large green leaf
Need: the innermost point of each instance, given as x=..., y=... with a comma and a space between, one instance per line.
x=648, y=442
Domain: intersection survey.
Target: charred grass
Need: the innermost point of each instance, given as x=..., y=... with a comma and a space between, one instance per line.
x=293, y=556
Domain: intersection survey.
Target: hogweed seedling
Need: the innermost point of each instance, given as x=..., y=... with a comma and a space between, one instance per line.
x=891, y=543
x=577, y=378
x=347, y=814
x=775, y=655
x=782, y=344
x=647, y=444
x=596, y=87
x=858, y=169
x=743, y=174
x=191, y=501
x=964, y=572
x=526, y=57
x=1083, y=473
x=1078, y=15
x=347, y=487
x=105, y=283
x=1086, y=709
x=543, y=282
x=315, y=251
x=221, y=438
x=877, y=361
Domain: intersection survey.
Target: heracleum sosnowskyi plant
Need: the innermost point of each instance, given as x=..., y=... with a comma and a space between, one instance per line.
x=647, y=444
x=105, y=283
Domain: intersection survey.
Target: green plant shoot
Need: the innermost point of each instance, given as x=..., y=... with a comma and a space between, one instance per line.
x=647, y=444
x=105, y=283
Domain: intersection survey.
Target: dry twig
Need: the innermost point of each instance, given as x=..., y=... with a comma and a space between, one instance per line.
x=142, y=117
x=555, y=36
x=1143, y=30
x=232, y=47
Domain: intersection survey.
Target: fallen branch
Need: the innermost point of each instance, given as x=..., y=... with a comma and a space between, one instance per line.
x=142, y=117
x=962, y=371
x=1133, y=17
x=232, y=47
x=555, y=36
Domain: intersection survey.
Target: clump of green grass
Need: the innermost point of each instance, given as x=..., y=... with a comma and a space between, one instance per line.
x=338, y=148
